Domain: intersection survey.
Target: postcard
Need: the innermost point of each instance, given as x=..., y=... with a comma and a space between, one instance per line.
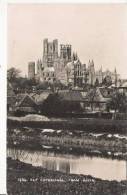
x=66, y=98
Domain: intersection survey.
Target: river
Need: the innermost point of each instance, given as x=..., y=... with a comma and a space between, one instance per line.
x=95, y=166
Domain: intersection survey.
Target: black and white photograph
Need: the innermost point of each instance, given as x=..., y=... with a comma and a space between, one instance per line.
x=66, y=99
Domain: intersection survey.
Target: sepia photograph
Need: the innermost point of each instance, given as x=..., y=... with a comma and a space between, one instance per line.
x=66, y=99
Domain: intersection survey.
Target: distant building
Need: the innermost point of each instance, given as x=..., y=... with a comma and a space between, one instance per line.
x=66, y=67
x=99, y=75
x=52, y=65
x=31, y=70
x=65, y=52
x=91, y=73
x=77, y=75
x=50, y=52
x=48, y=74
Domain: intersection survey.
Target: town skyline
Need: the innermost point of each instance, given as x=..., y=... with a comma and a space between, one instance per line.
x=102, y=39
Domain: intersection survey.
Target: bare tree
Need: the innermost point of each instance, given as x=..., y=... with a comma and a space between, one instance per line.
x=12, y=74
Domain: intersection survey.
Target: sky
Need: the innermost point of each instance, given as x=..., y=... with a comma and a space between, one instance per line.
x=95, y=31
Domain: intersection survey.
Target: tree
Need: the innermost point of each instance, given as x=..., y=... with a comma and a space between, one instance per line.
x=24, y=83
x=56, y=86
x=13, y=74
x=43, y=85
x=107, y=81
x=52, y=104
x=92, y=95
x=97, y=82
x=118, y=102
x=55, y=104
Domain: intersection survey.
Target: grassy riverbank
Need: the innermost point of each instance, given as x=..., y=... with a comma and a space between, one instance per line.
x=25, y=179
x=88, y=125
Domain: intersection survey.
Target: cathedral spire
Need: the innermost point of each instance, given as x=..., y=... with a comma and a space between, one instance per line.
x=115, y=71
x=101, y=69
x=92, y=63
x=74, y=56
x=89, y=63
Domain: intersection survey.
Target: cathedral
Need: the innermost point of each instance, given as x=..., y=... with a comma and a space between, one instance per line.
x=61, y=64
x=52, y=65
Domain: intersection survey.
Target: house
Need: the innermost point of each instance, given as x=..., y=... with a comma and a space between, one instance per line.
x=96, y=99
x=39, y=98
x=25, y=104
x=70, y=95
x=123, y=88
x=72, y=100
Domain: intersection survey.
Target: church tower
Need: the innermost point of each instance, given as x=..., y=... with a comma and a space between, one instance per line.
x=45, y=52
x=55, y=48
x=99, y=75
x=65, y=52
x=91, y=71
x=50, y=52
x=31, y=70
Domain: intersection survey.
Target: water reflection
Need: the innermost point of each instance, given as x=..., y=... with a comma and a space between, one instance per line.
x=97, y=167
